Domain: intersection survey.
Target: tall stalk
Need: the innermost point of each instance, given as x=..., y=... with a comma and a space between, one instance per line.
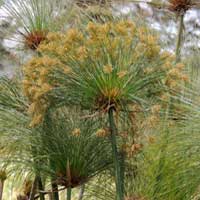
x=180, y=37
x=55, y=190
x=82, y=190
x=122, y=169
x=69, y=193
x=47, y=130
x=1, y=188
x=118, y=180
x=41, y=188
x=50, y=196
x=33, y=189
x=3, y=177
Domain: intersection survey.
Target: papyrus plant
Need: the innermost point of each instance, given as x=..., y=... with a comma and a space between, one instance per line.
x=74, y=150
x=171, y=163
x=66, y=149
x=86, y=3
x=3, y=177
x=35, y=18
x=17, y=149
x=179, y=8
x=104, y=69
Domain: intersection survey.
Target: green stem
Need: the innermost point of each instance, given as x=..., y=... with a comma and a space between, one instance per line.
x=41, y=188
x=122, y=169
x=1, y=188
x=34, y=188
x=118, y=181
x=161, y=165
x=69, y=193
x=55, y=191
x=82, y=190
x=50, y=195
x=179, y=37
x=47, y=128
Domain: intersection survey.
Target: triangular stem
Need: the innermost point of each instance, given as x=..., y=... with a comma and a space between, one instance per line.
x=33, y=189
x=82, y=189
x=69, y=193
x=118, y=180
x=1, y=188
x=41, y=188
x=180, y=37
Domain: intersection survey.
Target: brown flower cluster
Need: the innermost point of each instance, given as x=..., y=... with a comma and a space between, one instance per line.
x=33, y=39
x=175, y=75
x=180, y=6
x=132, y=149
x=36, y=85
x=60, y=50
